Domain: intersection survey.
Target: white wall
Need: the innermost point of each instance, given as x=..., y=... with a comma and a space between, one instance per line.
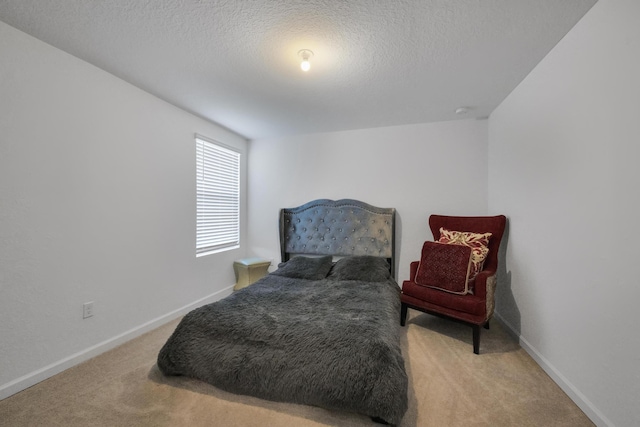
x=417, y=169
x=563, y=163
x=97, y=203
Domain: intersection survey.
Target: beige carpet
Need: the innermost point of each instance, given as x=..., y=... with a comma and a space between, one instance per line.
x=449, y=386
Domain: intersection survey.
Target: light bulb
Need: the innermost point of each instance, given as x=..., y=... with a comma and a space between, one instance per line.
x=305, y=54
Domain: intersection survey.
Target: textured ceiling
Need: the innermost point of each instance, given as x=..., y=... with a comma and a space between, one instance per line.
x=376, y=63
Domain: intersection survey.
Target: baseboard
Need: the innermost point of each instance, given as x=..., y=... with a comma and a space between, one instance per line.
x=35, y=377
x=574, y=394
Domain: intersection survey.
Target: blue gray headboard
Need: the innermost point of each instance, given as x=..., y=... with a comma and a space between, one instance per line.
x=340, y=228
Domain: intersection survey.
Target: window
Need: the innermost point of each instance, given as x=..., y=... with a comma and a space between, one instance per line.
x=218, y=197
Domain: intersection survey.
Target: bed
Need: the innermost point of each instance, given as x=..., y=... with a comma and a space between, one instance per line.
x=321, y=330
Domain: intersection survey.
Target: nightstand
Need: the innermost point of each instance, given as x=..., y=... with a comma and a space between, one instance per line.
x=249, y=270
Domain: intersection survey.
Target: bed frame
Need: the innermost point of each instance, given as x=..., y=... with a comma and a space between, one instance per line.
x=340, y=228
x=262, y=323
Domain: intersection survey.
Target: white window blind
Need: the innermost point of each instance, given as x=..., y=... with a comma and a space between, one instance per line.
x=218, y=197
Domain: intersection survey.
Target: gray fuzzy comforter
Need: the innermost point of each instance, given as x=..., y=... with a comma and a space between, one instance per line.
x=327, y=343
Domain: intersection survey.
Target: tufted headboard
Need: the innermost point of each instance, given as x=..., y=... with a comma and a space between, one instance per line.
x=340, y=228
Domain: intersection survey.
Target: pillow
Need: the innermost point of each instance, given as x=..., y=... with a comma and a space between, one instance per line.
x=445, y=267
x=478, y=242
x=303, y=267
x=365, y=268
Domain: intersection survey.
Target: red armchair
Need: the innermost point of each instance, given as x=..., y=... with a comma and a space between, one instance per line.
x=474, y=309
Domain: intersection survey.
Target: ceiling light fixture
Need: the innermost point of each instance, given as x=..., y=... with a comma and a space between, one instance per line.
x=305, y=54
x=462, y=110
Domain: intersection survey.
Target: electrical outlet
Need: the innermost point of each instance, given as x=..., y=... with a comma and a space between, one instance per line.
x=87, y=309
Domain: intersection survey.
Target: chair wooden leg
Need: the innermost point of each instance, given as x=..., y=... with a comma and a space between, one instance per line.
x=403, y=314
x=476, y=339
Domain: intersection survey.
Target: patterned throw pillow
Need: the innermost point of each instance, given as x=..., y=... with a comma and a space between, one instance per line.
x=444, y=267
x=479, y=244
